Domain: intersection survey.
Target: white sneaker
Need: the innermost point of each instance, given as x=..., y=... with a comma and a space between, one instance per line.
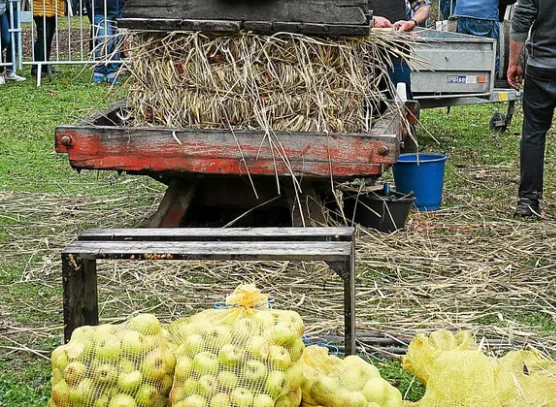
x=12, y=76
x=2, y=80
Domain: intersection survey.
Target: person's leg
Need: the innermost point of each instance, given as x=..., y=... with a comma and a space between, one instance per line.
x=39, y=45
x=50, y=32
x=539, y=102
x=447, y=8
x=10, y=71
x=4, y=43
x=480, y=28
x=101, y=28
x=401, y=73
x=114, y=47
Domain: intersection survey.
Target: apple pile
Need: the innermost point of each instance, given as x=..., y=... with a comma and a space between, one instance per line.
x=351, y=382
x=243, y=356
x=128, y=365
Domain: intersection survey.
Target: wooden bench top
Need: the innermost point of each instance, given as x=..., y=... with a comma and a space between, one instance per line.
x=232, y=234
x=230, y=250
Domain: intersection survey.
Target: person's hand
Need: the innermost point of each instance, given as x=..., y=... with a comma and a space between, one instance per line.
x=515, y=76
x=381, y=22
x=405, y=26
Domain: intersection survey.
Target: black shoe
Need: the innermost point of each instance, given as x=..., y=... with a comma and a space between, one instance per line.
x=527, y=207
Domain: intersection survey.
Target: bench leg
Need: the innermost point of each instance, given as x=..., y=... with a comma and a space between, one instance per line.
x=346, y=270
x=80, y=293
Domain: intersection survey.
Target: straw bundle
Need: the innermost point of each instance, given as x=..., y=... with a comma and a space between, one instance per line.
x=284, y=82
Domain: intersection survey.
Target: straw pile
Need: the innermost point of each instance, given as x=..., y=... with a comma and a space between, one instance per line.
x=283, y=82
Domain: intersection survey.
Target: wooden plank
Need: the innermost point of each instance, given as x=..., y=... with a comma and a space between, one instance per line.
x=79, y=278
x=218, y=152
x=310, y=11
x=233, y=234
x=246, y=251
x=154, y=24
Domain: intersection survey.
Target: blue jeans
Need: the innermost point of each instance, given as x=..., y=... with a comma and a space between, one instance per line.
x=539, y=103
x=9, y=58
x=480, y=28
x=4, y=31
x=107, y=46
x=445, y=8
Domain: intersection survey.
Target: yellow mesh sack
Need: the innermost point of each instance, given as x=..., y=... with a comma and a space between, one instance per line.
x=243, y=355
x=127, y=365
x=461, y=378
x=424, y=349
x=351, y=382
x=525, y=379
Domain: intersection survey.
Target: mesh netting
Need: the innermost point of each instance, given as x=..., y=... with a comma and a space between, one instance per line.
x=124, y=365
x=351, y=382
x=457, y=374
x=244, y=354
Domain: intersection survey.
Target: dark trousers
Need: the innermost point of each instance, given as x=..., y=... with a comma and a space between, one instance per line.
x=46, y=28
x=539, y=102
x=9, y=56
x=400, y=72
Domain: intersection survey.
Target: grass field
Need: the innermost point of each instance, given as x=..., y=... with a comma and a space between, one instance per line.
x=471, y=265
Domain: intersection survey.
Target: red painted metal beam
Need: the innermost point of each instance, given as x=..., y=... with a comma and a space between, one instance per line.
x=222, y=152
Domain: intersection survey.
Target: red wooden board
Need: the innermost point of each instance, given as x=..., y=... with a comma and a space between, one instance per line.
x=150, y=150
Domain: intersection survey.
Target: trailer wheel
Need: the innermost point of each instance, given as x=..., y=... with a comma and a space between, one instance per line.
x=499, y=123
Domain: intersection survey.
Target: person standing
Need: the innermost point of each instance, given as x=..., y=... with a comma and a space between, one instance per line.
x=4, y=36
x=10, y=71
x=393, y=14
x=108, y=43
x=534, y=22
x=45, y=14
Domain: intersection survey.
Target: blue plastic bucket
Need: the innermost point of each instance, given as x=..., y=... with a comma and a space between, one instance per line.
x=422, y=174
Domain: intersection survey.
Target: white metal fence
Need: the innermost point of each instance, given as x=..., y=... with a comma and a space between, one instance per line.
x=44, y=34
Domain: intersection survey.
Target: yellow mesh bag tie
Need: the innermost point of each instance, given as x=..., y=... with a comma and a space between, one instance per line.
x=247, y=296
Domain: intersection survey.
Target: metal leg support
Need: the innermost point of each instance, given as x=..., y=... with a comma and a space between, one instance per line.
x=346, y=270
x=80, y=293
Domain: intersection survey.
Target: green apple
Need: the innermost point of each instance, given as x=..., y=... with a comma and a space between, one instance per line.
x=129, y=382
x=217, y=337
x=133, y=344
x=355, y=399
x=82, y=393
x=283, y=401
x=83, y=333
x=279, y=357
x=208, y=385
x=263, y=400
x=59, y=358
x=241, y=397
x=166, y=385
x=296, y=396
x=297, y=349
x=102, y=401
x=205, y=363
x=122, y=400
x=153, y=365
x=108, y=348
x=61, y=394
x=244, y=329
x=323, y=388
x=169, y=360
x=76, y=350
x=193, y=345
x=146, y=324
x=74, y=373
x=220, y=400
x=126, y=366
x=227, y=380
x=338, y=398
x=193, y=401
x=277, y=384
x=265, y=319
x=376, y=390
x=105, y=374
x=394, y=398
x=57, y=377
x=294, y=319
x=230, y=355
x=285, y=334
x=190, y=387
x=258, y=347
x=294, y=375
x=177, y=394
x=254, y=371
x=306, y=387
x=184, y=367
x=147, y=395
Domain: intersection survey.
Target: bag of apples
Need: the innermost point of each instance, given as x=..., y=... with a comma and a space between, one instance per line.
x=329, y=381
x=127, y=365
x=244, y=354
